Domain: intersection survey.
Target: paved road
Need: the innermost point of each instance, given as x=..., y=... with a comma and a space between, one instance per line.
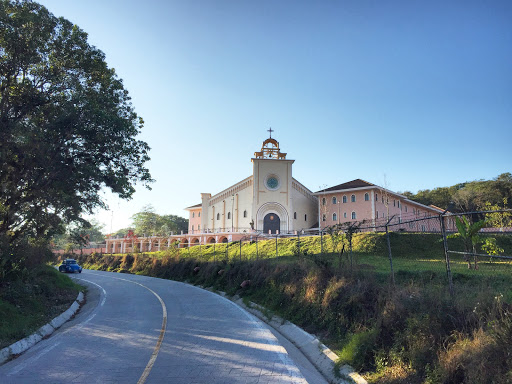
x=136, y=329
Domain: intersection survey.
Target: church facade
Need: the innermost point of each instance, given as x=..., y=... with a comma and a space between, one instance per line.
x=271, y=200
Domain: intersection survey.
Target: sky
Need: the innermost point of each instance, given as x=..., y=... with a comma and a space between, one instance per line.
x=408, y=95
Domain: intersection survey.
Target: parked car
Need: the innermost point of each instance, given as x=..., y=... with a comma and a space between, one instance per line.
x=70, y=266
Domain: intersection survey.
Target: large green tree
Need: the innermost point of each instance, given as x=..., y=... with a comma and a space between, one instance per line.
x=147, y=222
x=67, y=126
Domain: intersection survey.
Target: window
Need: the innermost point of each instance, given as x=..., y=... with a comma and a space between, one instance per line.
x=193, y=214
x=406, y=208
x=353, y=215
x=366, y=197
x=334, y=201
x=376, y=214
x=394, y=203
x=198, y=227
x=382, y=199
x=192, y=227
x=323, y=200
x=353, y=198
x=229, y=215
x=376, y=197
x=295, y=215
x=399, y=220
x=334, y=217
x=344, y=215
x=344, y=199
x=323, y=217
x=198, y=214
x=398, y=203
x=305, y=217
x=245, y=213
x=218, y=216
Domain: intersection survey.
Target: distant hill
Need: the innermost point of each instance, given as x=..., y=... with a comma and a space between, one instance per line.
x=469, y=196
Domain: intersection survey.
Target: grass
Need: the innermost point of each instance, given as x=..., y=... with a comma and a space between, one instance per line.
x=28, y=304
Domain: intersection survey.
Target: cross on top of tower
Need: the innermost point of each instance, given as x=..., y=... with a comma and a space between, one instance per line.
x=270, y=130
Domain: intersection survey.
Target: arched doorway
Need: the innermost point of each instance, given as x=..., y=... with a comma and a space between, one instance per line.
x=271, y=222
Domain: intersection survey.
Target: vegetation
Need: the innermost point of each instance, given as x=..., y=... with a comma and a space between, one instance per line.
x=67, y=126
x=148, y=222
x=29, y=303
x=409, y=332
x=469, y=196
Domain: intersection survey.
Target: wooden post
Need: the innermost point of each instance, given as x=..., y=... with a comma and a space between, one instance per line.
x=446, y=255
x=389, y=253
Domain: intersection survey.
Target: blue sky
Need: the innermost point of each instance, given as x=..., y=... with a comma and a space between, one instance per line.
x=405, y=94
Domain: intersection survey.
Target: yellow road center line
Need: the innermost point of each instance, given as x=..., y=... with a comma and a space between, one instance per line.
x=154, y=355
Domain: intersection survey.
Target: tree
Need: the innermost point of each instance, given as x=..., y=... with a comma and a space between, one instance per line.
x=498, y=217
x=468, y=232
x=78, y=235
x=147, y=222
x=67, y=127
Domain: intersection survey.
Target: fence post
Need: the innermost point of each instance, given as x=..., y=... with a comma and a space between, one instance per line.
x=321, y=242
x=446, y=255
x=389, y=252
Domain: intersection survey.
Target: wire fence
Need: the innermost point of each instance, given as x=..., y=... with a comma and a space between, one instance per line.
x=447, y=250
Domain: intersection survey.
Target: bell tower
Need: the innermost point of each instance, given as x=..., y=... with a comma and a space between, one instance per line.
x=272, y=188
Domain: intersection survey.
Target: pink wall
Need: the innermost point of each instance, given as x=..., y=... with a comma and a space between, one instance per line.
x=194, y=220
x=385, y=205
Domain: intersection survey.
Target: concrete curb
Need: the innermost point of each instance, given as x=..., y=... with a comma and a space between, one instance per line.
x=45, y=331
x=316, y=352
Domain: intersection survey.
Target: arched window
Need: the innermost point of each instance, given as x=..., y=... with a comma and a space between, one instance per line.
x=334, y=217
x=353, y=198
x=323, y=200
x=245, y=213
x=295, y=215
x=229, y=215
x=366, y=197
x=376, y=197
x=218, y=216
x=305, y=217
x=334, y=201
x=323, y=217
x=198, y=214
x=353, y=215
x=344, y=215
x=193, y=214
x=344, y=199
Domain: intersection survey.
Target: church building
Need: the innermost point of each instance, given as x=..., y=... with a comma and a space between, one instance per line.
x=270, y=200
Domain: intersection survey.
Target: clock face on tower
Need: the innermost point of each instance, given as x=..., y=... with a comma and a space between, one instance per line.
x=272, y=182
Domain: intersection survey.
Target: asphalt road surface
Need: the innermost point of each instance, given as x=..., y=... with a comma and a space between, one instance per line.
x=137, y=329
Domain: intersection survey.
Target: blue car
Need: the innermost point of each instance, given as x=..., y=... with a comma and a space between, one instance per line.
x=70, y=266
